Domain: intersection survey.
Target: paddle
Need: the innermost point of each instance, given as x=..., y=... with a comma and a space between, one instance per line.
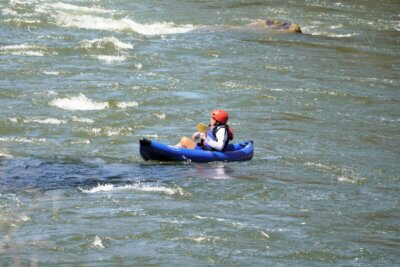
x=202, y=128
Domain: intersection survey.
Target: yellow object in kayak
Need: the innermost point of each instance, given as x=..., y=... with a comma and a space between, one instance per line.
x=202, y=128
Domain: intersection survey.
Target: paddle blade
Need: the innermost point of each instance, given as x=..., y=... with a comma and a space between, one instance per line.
x=202, y=128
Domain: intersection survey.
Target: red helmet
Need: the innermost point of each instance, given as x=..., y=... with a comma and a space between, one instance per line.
x=220, y=115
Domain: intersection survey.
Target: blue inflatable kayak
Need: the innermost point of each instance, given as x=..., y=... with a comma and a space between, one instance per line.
x=152, y=150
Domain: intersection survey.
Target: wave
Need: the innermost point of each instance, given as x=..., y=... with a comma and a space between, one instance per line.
x=51, y=120
x=119, y=25
x=97, y=242
x=5, y=154
x=22, y=21
x=124, y=105
x=333, y=35
x=53, y=73
x=80, y=102
x=105, y=43
x=346, y=35
x=137, y=187
x=23, y=140
x=19, y=47
x=76, y=9
x=8, y=11
x=200, y=239
x=97, y=18
x=108, y=131
x=160, y=115
x=80, y=142
x=23, y=50
x=110, y=59
x=83, y=120
x=46, y=121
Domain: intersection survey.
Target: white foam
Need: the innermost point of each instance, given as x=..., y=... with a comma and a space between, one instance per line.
x=83, y=120
x=51, y=93
x=99, y=188
x=136, y=187
x=97, y=242
x=22, y=140
x=55, y=73
x=138, y=66
x=19, y=47
x=117, y=131
x=321, y=166
x=5, y=155
x=81, y=141
x=101, y=43
x=46, y=121
x=153, y=136
x=118, y=25
x=342, y=35
x=161, y=115
x=110, y=59
x=23, y=50
x=28, y=53
x=265, y=234
x=351, y=179
x=127, y=104
x=95, y=130
x=334, y=35
x=24, y=218
x=76, y=9
x=22, y=20
x=201, y=239
x=165, y=190
x=8, y=11
x=20, y=2
x=80, y=102
x=109, y=131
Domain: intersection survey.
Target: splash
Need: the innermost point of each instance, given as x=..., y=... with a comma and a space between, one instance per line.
x=83, y=120
x=46, y=121
x=76, y=9
x=136, y=187
x=22, y=50
x=97, y=242
x=131, y=104
x=5, y=154
x=80, y=102
x=105, y=42
x=23, y=140
x=54, y=73
x=119, y=25
x=161, y=115
x=110, y=59
x=97, y=18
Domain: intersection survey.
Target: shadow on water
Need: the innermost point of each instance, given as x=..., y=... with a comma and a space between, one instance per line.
x=36, y=174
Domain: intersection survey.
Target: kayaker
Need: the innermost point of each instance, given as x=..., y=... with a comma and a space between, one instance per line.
x=217, y=137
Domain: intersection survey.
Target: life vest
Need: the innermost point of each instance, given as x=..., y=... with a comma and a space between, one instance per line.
x=212, y=133
x=228, y=128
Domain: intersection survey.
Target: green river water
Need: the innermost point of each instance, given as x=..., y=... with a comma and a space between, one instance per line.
x=82, y=81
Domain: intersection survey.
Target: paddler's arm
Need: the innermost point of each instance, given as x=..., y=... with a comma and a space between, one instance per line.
x=221, y=137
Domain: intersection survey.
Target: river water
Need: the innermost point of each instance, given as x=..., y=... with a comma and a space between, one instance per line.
x=82, y=81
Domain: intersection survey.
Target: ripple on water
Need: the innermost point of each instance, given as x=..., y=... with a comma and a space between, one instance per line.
x=136, y=187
